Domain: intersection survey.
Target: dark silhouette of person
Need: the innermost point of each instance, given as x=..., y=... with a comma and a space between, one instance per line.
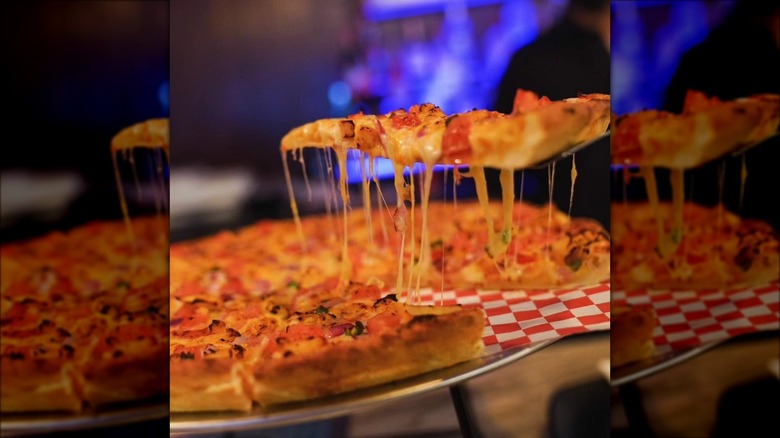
x=571, y=58
x=739, y=58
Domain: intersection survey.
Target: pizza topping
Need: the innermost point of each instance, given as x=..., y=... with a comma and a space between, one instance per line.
x=187, y=356
x=383, y=322
x=354, y=330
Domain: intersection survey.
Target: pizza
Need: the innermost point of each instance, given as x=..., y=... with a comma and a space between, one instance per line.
x=84, y=313
x=84, y=317
x=292, y=310
x=715, y=248
x=631, y=334
x=260, y=318
x=537, y=129
x=706, y=129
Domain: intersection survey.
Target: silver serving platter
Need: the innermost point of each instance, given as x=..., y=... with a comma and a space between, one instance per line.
x=40, y=423
x=634, y=371
x=329, y=407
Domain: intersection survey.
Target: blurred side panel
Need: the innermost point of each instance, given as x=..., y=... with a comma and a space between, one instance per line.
x=84, y=285
x=695, y=260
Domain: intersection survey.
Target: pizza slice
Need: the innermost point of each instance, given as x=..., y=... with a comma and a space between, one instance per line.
x=706, y=129
x=536, y=130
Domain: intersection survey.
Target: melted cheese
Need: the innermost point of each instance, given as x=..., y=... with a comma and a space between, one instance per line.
x=293, y=204
x=412, y=262
x=678, y=199
x=346, y=264
x=425, y=246
x=399, y=222
x=366, y=186
x=495, y=246
x=123, y=201
x=380, y=201
x=743, y=174
x=550, y=186
x=305, y=173
x=507, y=179
x=573, y=179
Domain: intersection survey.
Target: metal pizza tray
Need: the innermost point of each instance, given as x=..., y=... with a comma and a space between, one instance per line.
x=41, y=423
x=639, y=370
x=329, y=407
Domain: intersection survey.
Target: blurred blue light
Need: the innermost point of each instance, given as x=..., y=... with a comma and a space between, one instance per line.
x=339, y=94
x=164, y=96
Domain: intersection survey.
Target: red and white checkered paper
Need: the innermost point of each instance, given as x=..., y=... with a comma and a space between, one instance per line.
x=521, y=318
x=688, y=319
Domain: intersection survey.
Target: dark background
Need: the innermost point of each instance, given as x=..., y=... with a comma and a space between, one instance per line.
x=75, y=73
x=244, y=73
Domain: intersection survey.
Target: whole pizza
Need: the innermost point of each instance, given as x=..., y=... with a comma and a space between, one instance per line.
x=292, y=310
x=84, y=312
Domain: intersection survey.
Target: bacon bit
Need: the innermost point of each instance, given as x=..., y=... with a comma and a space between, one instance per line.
x=339, y=329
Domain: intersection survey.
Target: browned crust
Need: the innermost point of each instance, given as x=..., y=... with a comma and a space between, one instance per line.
x=128, y=378
x=631, y=332
x=425, y=344
x=152, y=133
x=526, y=139
x=209, y=385
x=691, y=139
x=38, y=385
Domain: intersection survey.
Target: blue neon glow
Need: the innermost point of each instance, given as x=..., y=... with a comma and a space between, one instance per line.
x=339, y=94
x=164, y=96
x=644, y=59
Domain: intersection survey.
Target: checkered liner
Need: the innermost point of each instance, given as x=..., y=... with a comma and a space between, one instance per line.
x=520, y=318
x=689, y=318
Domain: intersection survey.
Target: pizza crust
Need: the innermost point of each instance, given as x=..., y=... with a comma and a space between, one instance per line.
x=210, y=385
x=427, y=343
x=39, y=385
x=152, y=133
x=631, y=334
